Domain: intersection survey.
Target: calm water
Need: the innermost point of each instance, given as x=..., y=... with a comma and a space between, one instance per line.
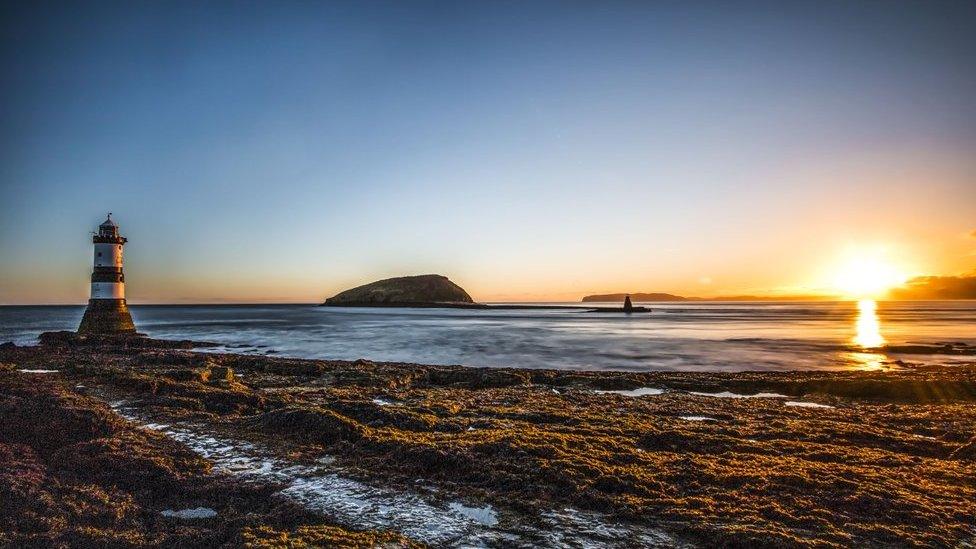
x=675, y=336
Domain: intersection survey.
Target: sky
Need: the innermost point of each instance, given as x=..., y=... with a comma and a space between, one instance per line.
x=284, y=151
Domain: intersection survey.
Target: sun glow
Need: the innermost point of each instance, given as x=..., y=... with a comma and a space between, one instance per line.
x=866, y=276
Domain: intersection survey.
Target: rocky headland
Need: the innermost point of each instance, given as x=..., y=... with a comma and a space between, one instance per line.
x=133, y=442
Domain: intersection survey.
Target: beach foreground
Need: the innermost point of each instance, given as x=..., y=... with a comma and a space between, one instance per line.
x=143, y=442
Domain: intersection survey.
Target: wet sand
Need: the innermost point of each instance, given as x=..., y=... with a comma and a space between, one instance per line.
x=102, y=438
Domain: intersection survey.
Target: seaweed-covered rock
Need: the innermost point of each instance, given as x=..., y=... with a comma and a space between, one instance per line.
x=890, y=464
x=46, y=416
x=323, y=536
x=323, y=426
x=226, y=398
x=116, y=342
x=376, y=415
x=132, y=461
x=200, y=374
x=480, y=378
x=21, y=480
x=59, y=338
x=221, y=373
x=74, y=474
x=966, y=451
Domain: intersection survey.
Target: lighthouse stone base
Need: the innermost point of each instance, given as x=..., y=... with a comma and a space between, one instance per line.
x=105, y=317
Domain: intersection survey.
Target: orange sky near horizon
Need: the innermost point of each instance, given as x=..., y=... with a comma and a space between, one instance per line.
x=760, y=272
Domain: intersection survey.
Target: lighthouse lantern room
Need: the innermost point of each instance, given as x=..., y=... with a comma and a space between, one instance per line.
x=107, y=312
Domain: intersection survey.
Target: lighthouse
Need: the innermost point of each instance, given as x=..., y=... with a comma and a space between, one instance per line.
x=107, y=312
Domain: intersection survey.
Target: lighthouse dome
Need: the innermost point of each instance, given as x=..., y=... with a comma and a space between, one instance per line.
x=108, y=231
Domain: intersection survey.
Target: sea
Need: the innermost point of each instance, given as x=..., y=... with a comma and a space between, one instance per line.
x=674, y=336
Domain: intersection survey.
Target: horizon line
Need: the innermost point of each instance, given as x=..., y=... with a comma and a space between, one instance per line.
x=835, y=299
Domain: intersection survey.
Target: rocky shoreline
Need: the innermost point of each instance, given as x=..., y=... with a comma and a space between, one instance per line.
x=816, y=459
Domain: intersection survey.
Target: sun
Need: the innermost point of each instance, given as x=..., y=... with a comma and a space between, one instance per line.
x=867, y=275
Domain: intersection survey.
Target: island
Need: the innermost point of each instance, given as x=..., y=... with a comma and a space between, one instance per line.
x=431, y=290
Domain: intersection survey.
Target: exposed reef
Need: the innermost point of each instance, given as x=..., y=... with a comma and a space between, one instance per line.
x=75, y=474
x=620, y=310
x=931, y=349
x=888, y=458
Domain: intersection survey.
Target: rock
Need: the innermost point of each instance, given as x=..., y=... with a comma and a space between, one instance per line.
x=930, y=349
x=75, y=474
x=56, y=339
x=405, y=291
x=131, y=461
x=115, y=342
x=221, y=373
x=201, y=374
x=47, y=416
x=479, y=378
x=966, y=451
x=319, y=425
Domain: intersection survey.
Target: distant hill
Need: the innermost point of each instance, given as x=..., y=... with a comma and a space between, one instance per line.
x=405, y=291
x=634, y=297
x=671, y=297
x=937, y=287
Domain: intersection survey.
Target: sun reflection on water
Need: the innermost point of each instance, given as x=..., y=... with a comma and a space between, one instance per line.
x=868, y=328
x=868, y=336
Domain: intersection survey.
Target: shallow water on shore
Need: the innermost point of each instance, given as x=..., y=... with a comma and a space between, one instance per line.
x=697, y=336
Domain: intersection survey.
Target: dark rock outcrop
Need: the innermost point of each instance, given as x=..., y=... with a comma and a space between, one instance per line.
x=405, y=291
x=118, y=342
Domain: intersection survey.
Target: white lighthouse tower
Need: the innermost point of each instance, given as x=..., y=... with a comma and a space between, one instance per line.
x=107, y=312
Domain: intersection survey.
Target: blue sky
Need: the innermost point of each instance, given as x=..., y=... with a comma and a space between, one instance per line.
x=259, y=151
